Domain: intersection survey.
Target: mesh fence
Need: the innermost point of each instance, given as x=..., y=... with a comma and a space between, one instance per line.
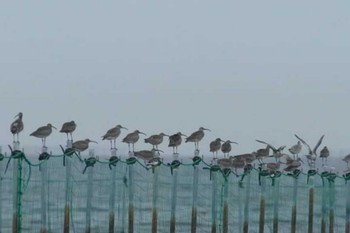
x=66, y=194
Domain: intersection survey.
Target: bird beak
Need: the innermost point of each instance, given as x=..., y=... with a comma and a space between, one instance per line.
x=124, y=128
x=143, y=133
x=235, y=143
x=207, y=129
x=94, y=142
x=54, y=127
x=16, y=115
x=184, y=135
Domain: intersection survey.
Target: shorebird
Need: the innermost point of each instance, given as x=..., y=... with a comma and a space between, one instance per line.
x=196, y=137
x=175, y=141
x=262, y=153
x=112, y=135
x=68, y=128
x=312, y=153
x=43, y=132
x=225, y=162
x=132, y=138
x=215, y=146
x=147, y=155
x=273, y=167
x=17, y=126
x=248, y=157
x=237, y=163
x=347, y=160
x=81, y=145
x=277, y=152
x=292, y=164
x=226, y=147
x=295, y=149
x=155, y=140
x=324, y=153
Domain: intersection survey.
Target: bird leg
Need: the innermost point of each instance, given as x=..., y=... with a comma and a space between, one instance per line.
x=129, y=147
x=133, y=147
x=111, y=144
x=115, y=143
x=14, y=140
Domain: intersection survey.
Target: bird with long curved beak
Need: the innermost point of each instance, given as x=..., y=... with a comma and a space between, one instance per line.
x=226, y=147
x=68, y=128
x=82, y=145
x=175, y=141
x=112, y=135
x=17, y=126
x=43, y=132
x=196, y=137
x=155, y=140
x=132, y=138
x=215, y=146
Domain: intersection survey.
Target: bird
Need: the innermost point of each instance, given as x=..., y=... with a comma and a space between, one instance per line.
x=225, y=162
x=292, y=164
x=43, y=132
x=112, y=135
x=68, y=128
x=175, y=141
x=237, y=163
x=132, y=138
x=155, y=140
x=196, y=137
x=226, y=147
x=273, y=167
x=81, y=145
x=215, y=146
x=347, y=160
x=262, y=153
x=295, y=149
x=17, y=126
x=312, y=153
x=324, y=153
x=277, y=152
x=147, y=155
x=248, y=157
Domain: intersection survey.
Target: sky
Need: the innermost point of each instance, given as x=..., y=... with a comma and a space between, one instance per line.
x=265, y=70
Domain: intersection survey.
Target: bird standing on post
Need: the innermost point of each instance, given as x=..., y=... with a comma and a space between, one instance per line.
x=43, y=132
x=215, y=146
x=312, y=153
x=155, y=140
x=295, y=149
x=68, y=128
x=277, y=152
x=81, y=145
x=196, y=137
x=17, y=126
x=324, y=154
x=112, y=135
x=175, y=141
x=132, y=138
x=226, y=147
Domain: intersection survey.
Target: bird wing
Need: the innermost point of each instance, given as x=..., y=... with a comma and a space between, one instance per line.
x=310, y=151
x=318, y=144
x=272, y=147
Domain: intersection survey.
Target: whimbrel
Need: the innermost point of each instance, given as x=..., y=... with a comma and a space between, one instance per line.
x=226, y=147
x=147, y=155
x=215, y=146
x=292, y=164
x=132, y=138
x=295, y=149
x=68, y=128
x=155, y=140
x=17, y=126
x=81, y=145
x=196, y=137
x=175, y=141
x=262, y=153
x=312, y=153
x=237, y=163
x=324, y=153
x=43, y=132
x=112, y=135
x=277, y=152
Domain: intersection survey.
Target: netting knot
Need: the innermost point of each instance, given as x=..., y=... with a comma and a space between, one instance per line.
x=113, y=160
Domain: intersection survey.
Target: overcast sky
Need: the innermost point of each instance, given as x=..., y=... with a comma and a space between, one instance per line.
x=264, y=70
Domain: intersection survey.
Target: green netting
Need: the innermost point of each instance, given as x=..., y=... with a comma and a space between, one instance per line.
x=134, y=197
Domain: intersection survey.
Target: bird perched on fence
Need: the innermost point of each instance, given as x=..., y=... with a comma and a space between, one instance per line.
x=226, y=147
x=260, y=154
x=215, y=146
x=68, y=128
x=147, y=155
x=324, y=154
x=277, y=152
x=81, y=145
x=17, y=126
x=196, y=137
x=132, y=138
x=295, y=149
x=43, y=132
x=112, y=135
x=155, y=140
x=312, y=153
x=175, y=141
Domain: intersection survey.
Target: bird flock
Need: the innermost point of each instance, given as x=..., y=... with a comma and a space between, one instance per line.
x=291, y=161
